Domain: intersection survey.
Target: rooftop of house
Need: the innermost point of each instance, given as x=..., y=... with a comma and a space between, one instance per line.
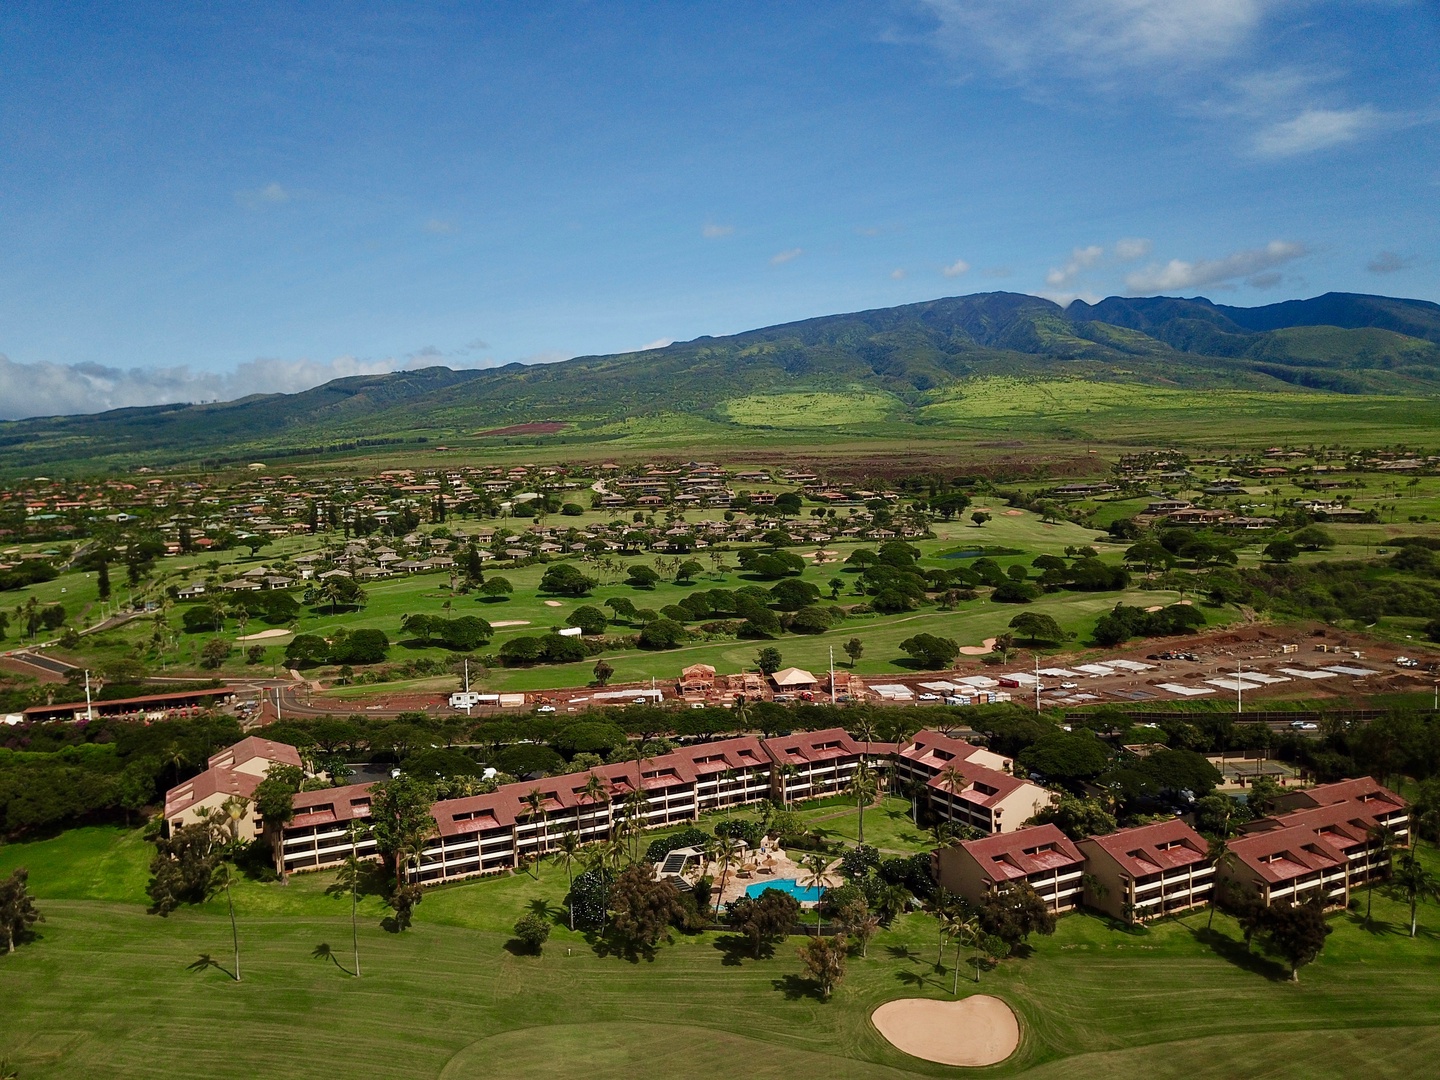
x=251, y=747
x=1036, y=850
x=1155, y=848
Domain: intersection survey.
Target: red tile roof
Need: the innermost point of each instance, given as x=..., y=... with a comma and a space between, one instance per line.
x=979, y=785
x=1039, y=849
x=332, y=804
x=934, y=750
x=210, y=782
x=1152, y=849
x=251, y=747
x=805, y=747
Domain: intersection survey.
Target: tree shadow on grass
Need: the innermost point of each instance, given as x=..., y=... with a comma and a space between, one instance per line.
x=918, y=981
x=1237, y=953
x=1376, y=927
x=797, y=988
x=324, y=952
x=516, y=947
x=206, y=962
x=735, y=949
x=903, y=952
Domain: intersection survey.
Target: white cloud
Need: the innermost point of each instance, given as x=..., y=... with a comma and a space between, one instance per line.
x=1388, y=262
x=898, y=274
x=1080, y=259
x=1179, y=274
x=658, y=343
x=1315, y=129
x=269, y=195
x=49, y=389
x=1095, y=39
x=712, y=231
x=1132, y=248
x=782, y=257
x=955, y=269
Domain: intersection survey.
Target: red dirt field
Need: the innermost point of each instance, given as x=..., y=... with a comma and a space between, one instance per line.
x=537, y=427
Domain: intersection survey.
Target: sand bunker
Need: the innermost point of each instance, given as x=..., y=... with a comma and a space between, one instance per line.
x=983, y=649
x=975, y=1031
x=1014, y=513
x=264, y=634
x=510, y=622
x=548, y=603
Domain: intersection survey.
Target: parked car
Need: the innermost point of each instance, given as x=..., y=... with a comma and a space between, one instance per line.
x=929, y=697
x=546, y=708
x=1304, y=725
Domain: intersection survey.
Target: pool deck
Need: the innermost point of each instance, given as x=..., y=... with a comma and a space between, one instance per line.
x=771, y=864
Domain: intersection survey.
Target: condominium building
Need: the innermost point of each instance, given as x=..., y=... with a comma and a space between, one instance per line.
x=969, y=785
x=234, y=772
x=1148, y=871
x=1327, y=844
x=1041, y=856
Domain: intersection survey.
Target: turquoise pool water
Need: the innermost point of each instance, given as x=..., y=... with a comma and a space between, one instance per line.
x=806, y=894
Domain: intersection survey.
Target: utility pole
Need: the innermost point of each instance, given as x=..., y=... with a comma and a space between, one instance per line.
x=1037, y=682
x=1239, y=698
x=89, y=709
x=832, y=674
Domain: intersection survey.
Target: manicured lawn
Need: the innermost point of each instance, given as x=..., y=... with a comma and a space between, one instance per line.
x=105, y=992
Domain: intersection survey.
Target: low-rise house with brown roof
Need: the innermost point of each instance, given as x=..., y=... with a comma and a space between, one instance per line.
x=1148, y=871
x=1041, y=856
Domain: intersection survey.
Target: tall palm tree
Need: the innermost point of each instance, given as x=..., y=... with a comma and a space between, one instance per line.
x=224, y=879
x=535, y=803
x=942, y=906
x=595, y=791
x=727, y=853
x=1220, y=857
x=1416, y=882
x=566, y=852
x=864, y=786
x=812, y=870
x=349, y=878
x=784, y=772
x=1381, y=844
x=953, y=780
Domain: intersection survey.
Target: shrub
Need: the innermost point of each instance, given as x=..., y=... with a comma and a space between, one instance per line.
x=532, y=931
x=662, y=846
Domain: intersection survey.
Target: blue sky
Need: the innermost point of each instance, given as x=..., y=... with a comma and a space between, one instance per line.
x=204, y=201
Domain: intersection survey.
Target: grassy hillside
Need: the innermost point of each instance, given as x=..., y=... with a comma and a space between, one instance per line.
x=880, y=367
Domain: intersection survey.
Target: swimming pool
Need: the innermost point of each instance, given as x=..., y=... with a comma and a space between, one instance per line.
x=806, y=894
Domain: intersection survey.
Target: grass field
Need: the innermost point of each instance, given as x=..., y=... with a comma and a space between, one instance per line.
x=105, y=992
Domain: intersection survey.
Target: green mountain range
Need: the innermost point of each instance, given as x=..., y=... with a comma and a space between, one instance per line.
x=906, y=365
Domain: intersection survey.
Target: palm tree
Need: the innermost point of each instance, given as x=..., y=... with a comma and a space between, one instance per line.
x=1220, y=857
x=726, y=779
x=864, y=787
x=535, y=801
x=349, y=877
x=566, y=852
x=953, y=780
x=1416, y=882
x=785, y=771
x=727, y=853
x=225, y=878
x=596, y=790
x=812, y=870
x=1381, y=843
x=942, y=906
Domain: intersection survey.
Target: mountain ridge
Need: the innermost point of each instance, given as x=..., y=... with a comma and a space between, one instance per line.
x=1348, y=343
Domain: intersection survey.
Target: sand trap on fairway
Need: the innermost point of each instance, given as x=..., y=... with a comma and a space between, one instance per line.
x=511, y=622
x=979, y=1030
x=263, y=634
x=987, y=646
x=548, y=603
x=1014, y=513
